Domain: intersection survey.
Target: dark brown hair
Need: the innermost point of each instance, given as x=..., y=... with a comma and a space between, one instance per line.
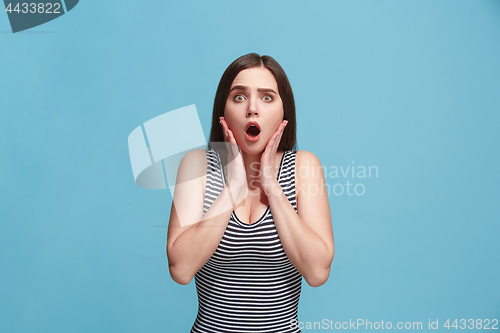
x=251, y=60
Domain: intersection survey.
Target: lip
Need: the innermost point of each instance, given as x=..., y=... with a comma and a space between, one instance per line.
x=252, y=138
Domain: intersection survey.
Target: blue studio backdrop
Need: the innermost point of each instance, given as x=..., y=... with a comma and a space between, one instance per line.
x=409, y=90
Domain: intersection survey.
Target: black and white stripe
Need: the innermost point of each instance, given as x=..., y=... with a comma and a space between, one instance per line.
x=249, y=284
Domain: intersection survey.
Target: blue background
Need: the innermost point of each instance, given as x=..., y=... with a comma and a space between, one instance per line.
x=410, y=87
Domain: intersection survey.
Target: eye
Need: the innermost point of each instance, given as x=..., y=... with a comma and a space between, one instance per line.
x=239, y=98
x=267, y=98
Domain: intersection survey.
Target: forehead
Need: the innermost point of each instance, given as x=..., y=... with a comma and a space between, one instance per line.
x=257, y=77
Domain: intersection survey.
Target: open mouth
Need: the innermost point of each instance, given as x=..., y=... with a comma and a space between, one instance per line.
x=253, y=131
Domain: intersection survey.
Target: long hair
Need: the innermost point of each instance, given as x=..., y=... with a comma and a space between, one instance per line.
x=251, y=60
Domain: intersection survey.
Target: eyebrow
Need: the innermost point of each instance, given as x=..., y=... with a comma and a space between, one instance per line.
x=259, y=89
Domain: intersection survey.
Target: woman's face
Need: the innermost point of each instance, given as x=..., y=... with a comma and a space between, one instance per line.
x=254, y=99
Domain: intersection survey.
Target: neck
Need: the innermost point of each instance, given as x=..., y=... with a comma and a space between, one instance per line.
x=252, y=168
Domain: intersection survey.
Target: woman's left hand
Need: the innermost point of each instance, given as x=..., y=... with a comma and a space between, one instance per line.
x=267, y=161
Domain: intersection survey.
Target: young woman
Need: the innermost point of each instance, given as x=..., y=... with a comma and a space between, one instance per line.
x=249, y=221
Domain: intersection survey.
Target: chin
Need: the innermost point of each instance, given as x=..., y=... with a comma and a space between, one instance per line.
x=253, y=149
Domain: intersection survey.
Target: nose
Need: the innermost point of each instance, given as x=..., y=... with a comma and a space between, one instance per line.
x=252, y=108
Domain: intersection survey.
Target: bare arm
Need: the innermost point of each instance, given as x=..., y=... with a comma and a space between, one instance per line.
x=193, y=238
x=306, y=237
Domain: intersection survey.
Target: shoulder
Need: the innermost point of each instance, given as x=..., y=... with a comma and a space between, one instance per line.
x=193, y=164
x=308, y=170
x=194, y=156
x=306, y=159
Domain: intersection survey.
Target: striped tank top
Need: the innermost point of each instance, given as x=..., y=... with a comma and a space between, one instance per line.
x=249, y=284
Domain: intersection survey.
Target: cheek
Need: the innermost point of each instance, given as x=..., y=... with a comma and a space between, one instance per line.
x=229, y=116
x=233, y=123
x=278, y=115
x=273, y=124
x=278, y=109
x=232, y=110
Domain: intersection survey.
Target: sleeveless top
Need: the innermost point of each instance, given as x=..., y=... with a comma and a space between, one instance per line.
x=248, y=284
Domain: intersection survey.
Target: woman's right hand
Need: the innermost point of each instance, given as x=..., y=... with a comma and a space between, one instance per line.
x=236, y=173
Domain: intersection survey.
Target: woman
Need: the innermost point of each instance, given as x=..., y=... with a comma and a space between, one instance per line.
x=250, y=228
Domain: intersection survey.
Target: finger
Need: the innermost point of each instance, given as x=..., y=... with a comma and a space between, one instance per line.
x=283, y=125
x=278, y=140
x=229, y=139
x=231, y=149
x=274, y=139
x=227, y=131
x=224, y=128
x=270, y=150
x=224, y=124
x=277, y=135
x=275, y=142
x=281, y=128
x=231, y=135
